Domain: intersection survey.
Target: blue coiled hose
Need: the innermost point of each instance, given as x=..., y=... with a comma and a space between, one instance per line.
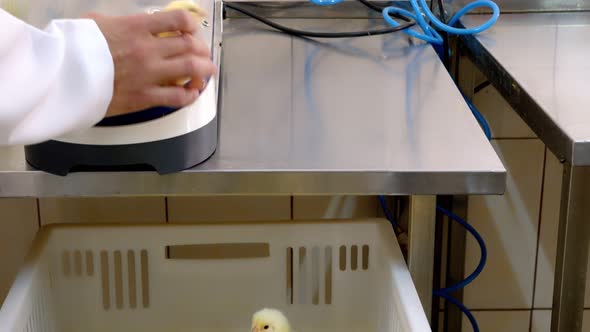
x=482, y=247
x=428, y=34
x=445, y=293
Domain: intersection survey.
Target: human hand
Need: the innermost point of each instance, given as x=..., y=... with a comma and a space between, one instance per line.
x=143, y=60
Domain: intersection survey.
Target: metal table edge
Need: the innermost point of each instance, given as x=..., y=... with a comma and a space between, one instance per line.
x=219, y=183
x=563, y=146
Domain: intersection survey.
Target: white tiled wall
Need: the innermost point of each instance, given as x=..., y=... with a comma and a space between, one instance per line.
x=500, y=321
x=542, y=321
x=334, y=207
x=18, y=225
x=102, y=210
x=508, y=225
x=520, y=229
x=228, y=208
x=503, y=122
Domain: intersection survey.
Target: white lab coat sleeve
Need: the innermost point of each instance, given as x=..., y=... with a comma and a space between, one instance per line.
x=53, y=81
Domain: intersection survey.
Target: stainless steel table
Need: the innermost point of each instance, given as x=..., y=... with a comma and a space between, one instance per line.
x=364, y=116
x=539, y=62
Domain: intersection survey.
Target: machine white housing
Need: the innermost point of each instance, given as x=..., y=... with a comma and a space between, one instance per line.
x=168, y=143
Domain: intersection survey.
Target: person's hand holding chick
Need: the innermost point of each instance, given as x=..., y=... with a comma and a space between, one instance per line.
x=143, y=60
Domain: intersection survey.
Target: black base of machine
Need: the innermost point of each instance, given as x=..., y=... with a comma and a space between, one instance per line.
x=166, y=156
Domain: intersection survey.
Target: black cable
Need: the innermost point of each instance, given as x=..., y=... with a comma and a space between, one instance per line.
x=378, y=9
x=443, y=13
x=274, y=5
x=312, y=34
x=481, y=86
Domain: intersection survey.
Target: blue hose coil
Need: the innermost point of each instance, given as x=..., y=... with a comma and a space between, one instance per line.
x=482, y=247
x=461, y=307
x=420, y=10
x=445, y=293
x=429, y=34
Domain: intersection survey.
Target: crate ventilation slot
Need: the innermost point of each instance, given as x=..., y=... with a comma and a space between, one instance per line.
x=310, y=272
x=218, y=251
x=349, y=258
x=123, y=275
x=76, y=263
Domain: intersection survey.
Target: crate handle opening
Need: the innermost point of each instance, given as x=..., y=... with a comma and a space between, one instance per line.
x=218, y=251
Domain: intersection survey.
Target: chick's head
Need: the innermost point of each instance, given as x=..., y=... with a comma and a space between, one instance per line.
x=270, y=320
x=188, y=5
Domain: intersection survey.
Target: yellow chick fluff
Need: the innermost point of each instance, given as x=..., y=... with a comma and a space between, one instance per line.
x=188, y=5
x=270, y=320
x=197, y=12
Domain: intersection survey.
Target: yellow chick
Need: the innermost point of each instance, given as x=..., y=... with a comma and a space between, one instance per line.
x=198, y=14
x=188, y=5
x=270, y=320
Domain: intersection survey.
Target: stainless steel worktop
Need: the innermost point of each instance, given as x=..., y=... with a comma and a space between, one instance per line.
x=363, y=116
x=544, y=55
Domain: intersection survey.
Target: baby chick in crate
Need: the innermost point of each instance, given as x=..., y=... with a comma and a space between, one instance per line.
x=270, y=320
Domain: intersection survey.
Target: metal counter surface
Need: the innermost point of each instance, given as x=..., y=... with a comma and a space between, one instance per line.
x=361, y=116
x=541, y=61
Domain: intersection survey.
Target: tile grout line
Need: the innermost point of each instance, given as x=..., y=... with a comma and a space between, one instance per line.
x=512, y=309
x=38, y=213
x=538, y=238
x=500, y=309
x=292, y=213
x=166, y=209
x=515, y=138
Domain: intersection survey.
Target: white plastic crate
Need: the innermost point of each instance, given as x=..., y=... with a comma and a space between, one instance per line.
x=325, y=276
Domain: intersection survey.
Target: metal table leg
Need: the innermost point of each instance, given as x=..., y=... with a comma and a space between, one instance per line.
x=457, y=242
x=421, y=222
x=572, y=250
x=439, y=255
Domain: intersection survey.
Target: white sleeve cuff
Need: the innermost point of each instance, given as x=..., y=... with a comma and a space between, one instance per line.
x=59, y=80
